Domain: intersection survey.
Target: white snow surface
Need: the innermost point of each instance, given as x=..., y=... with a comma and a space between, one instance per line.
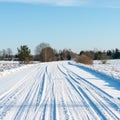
x=8, y=66
x=60, y=91
x=111, y=68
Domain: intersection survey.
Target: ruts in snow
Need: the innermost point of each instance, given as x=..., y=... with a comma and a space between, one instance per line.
x=58, y=91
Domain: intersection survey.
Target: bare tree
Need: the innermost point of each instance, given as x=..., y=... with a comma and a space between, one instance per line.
x=66, y=54
x=9, y=53
x=4, y=54
x=47, y=54
x=39, y=49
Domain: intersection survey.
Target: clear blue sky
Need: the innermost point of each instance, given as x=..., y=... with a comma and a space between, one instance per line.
x=72, y=24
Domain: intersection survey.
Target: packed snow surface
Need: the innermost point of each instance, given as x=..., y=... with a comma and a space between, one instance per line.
x=59, y=91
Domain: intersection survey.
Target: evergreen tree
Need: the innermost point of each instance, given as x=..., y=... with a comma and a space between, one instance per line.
x=116, y=54
x=24, y=54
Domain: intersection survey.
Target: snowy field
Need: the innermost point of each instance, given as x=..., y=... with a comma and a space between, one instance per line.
x=111, y=68
x=8, y=66
x=60, y=91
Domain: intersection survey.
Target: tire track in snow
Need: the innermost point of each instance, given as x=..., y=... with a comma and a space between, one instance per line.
x=36, y=98
x=52, y=100
x=40, y=92
x=40, y=112
x=26, y=106
x=82, y=103
x=103, y=96
x=55, y=92
x=9, y=101
x=100, y=96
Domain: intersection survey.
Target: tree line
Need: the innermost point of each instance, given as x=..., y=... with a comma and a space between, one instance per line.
x=45, y=53
x=6, y=54
x=102, y=55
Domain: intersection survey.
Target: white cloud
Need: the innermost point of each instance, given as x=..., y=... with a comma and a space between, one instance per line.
x=53, y=2
x=104, y=3
x=85, y=3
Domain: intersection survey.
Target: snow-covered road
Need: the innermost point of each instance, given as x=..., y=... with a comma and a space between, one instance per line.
x=59, y=91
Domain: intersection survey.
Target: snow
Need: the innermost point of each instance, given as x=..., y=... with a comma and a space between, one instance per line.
x=8, y=66
x=61, y=90
x=111, y=68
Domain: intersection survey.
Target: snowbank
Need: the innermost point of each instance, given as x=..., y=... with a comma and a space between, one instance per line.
x=7, y=67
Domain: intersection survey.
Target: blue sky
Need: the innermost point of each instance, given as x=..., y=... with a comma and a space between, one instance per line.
x=72, y=24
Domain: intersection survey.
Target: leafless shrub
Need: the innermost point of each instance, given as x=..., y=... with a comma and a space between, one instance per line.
x=84, y=59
